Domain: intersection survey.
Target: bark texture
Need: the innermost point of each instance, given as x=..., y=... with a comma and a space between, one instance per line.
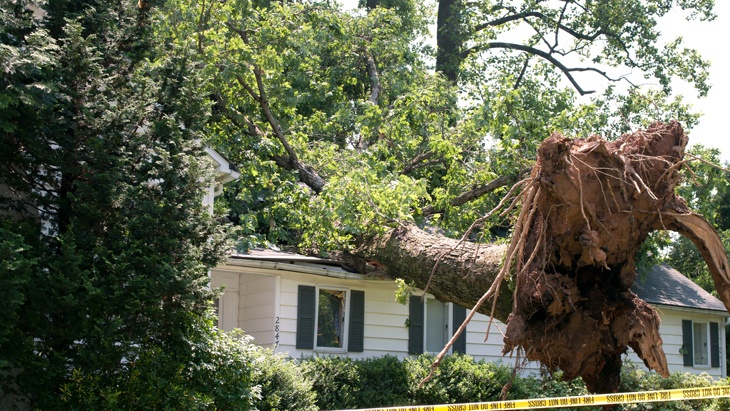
x=463, y=270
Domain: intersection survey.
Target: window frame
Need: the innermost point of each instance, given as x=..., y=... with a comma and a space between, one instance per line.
x=344, y=332
x=714, y=340
x=449, y=326
x=707, y=351
x=445, y=326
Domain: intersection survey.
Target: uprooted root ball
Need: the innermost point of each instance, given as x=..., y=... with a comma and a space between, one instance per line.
x=587, y=208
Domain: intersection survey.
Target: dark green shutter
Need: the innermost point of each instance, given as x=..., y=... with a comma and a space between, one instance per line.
x=356, y=334
x=415, y=330
x=714, y=345
x=306, y=310
x=687, y=349
x=458, y=317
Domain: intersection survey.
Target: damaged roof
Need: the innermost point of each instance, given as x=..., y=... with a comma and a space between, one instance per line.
x=667, y=286
x=661, y=285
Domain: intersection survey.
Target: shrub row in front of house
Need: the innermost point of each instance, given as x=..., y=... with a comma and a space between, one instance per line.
x=329, y=383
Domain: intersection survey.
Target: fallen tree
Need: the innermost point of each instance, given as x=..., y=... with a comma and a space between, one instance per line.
x=347, y=143
x=587, y=207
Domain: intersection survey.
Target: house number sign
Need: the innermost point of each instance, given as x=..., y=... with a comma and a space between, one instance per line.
x=276, y=332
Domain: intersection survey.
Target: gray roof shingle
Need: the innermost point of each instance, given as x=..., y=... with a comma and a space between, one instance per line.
x=665, y=285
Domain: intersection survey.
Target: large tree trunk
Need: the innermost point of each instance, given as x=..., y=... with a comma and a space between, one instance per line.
x=587, y=208
x=458, y=272
x=449, y=39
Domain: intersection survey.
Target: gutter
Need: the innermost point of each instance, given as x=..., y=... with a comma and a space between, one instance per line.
x=693, y=310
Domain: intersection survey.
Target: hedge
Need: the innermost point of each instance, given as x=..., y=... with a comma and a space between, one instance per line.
x=346, y=383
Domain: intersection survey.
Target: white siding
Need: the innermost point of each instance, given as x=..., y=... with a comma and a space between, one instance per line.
x=228, y=300
x=386, y=332
x=257, y=307
x=268, y=295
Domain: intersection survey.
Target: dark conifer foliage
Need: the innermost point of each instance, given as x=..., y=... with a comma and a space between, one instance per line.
x=104, y=241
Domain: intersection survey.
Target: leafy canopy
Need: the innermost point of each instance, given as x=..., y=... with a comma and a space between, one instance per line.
x=342, y=128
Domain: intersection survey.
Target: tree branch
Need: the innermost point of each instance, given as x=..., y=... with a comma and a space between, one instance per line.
x=558, y=25
x=375, y=86
x=417, y=162
x=251, y=92
x=470, y=195
x=307, y=174
x=290, y=161
x=545, y=55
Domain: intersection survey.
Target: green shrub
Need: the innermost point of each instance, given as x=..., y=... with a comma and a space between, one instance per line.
x=344, y=383
x=458, y=379
x=635, y=379
x=550, y=385
x=216, y=374
x=282, y=383
x=384, y=382
x=335, y=380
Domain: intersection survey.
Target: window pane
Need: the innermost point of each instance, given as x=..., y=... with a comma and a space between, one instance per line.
x=701, y=350
x=330, y=318
x=436, y=332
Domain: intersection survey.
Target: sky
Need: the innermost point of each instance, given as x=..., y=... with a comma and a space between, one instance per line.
x=712, y=40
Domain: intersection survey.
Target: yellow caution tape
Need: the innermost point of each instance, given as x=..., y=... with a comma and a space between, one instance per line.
x=585, y=400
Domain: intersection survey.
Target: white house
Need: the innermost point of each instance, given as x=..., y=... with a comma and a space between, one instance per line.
x=281, y=299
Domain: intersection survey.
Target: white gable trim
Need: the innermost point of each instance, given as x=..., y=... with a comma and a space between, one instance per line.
x=224, y=173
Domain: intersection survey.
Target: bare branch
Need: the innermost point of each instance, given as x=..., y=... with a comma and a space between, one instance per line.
x=560, y=22
x=470, y=195
x=558, y=25
x=522, y=72
x=547, y=56
x=507, y=19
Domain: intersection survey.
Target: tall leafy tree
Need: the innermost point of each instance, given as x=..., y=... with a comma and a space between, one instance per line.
x=353, y=146
x=566, y=35
x=343, y=130
x=105, y=242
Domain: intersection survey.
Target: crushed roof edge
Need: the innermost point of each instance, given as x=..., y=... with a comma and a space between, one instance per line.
x=286, y=261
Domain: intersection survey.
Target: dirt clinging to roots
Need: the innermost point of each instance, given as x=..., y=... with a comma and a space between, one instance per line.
x=587, y=208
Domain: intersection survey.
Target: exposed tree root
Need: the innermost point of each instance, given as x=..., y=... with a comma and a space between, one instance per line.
x=589, y=208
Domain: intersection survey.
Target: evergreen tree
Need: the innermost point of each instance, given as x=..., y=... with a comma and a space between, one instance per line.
x=105, y=242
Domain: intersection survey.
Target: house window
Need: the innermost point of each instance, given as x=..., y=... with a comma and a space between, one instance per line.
x=701, y=350
x=437, y=325
x=701, y=344
x=432, y=323
x=330, y=319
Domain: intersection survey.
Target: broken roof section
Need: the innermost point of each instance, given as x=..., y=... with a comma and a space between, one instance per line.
x=286, y=261
x=666, y=286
